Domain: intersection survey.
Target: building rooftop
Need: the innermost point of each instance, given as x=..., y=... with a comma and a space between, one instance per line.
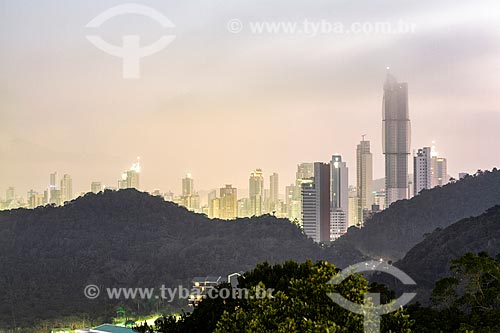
x=108, y=328
x=208, y=279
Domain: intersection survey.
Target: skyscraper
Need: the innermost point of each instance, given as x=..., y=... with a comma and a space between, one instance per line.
x=228, y=203
x=35, y=199
x=256, y=192
x=289, y=198
x=133, y=178
x=54, y=193
x=214, y=208
x=273, y=191
x=422, y=170
x=10, y=194
x=364, y=178
x=189, y=198
x=396, y=139
x=439, y=169
x=130, y=178
x=212, y=195
x=212, y=202
x=96, y=187
x=244, y=207
x=339, y=197
x=353, y=207
x=304, y=171
x=316, y=203
x=66, y=188
x=187, y=185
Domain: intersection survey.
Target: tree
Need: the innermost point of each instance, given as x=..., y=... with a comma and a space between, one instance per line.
x=296, y=300
x=466, y=301
x=475, y=285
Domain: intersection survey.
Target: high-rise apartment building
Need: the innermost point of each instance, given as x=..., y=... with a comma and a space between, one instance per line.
x=364, y=178
x=339, y=197
x=228, y=203
x=316, y=203
x=96, y=187
x=187, y=185
x=54, y=194
x=35, y=199
x=130, y=178
x=256, y=192
x=304, y=171
x=430, y=170
x=10, y=194
x=380, y=199
x=273, y=191
x=214, y=208
x=439, y=169
x=212, y=195
x=353, y=202
x=189, y=198
x=244, y=207
x=422, y=170
x=66, y=188
x=396, y=139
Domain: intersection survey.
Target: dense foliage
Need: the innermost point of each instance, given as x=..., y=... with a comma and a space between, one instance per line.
x=466, y=301
x=430, y=260
x=131, y=239
x=126, y=239
x=391, y=233
x=299, y=302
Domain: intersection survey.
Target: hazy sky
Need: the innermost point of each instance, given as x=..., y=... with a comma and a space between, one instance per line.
x=219, y=104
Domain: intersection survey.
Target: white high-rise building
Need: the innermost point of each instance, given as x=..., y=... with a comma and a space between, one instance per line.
x=339, y=197
x=430, y=170
x=422, y=171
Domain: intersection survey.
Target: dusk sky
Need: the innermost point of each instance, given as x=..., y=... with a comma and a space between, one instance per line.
x=219, y=104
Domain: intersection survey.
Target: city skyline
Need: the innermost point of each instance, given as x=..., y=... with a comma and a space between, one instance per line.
x=130, y=179
x=70, y=110
x=223, y=166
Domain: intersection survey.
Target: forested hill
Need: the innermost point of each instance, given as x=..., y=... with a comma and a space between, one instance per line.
x=131, y=239
x=429, y=260
x=391, y=233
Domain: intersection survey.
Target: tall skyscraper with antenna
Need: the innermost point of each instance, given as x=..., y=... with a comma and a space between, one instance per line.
x=396, y=138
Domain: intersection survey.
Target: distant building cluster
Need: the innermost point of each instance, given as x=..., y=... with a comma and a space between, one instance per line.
x=320, y=199
x=57, y=192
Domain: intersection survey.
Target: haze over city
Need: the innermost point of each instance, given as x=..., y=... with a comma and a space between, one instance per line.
x=218, y=104
x=249, y=166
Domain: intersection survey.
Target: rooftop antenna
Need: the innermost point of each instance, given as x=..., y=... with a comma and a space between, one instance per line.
x=363, y=137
